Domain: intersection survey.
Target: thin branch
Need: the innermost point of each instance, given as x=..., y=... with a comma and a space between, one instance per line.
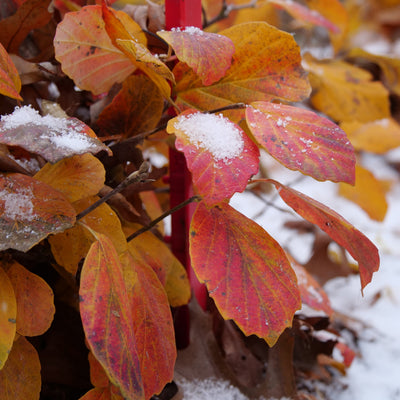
x=227, y=9
x=138, y=176
x=161, y=217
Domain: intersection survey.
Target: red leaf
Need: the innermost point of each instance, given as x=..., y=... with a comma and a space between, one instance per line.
x=52, y=138
x=208, y=54
x=86, y=52
x=311, y=292
x=302, y=13
x=10, y=82
x=30, y=210
x=302, y=140
x=107, y=320
x=152, y=325
x=246, y=271
x=341, y=231
x=219, y=154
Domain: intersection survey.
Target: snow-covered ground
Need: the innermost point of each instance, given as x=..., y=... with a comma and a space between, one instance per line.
x=375, y=372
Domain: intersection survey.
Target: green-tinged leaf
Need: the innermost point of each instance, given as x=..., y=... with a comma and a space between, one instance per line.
x=8, y=317
x=10, y=82
x=107, y=320
x=208, y=54
x=50, y=137
x=303, y=141
x=340, y=230
x=246, y=271
x=86, y=52
x=149, y=250
x=135, y=109
x=76, y=177
x=35, y=301
x=220, y=156
x=20, y=378
x=266, y=65
x=152, y=325
x=30, y=210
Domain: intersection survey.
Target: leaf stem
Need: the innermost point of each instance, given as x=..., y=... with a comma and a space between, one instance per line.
x=161, y=217
x=135, y=177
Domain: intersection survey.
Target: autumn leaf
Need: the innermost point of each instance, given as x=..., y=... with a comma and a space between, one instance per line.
x=208, y=54
x=304, y=14
x=86, y=52
x=302, y=140
x=8, y=317
x=368, y=193
x=219, y=154
x=341, y=231
x=30, y=15
x=50, y=137
x=152, y=324
x=246, y=271
x=377, y=136
x=136, y=108
x=149, y=250
x=76, y=177
x=345, y=92
x=71, y=246
x=274, y=72
x=389, y=66
x=107, y=321
x=311, y=291
x=35, y=301
x=10, y=82
x=20, y=378
x=30, y=210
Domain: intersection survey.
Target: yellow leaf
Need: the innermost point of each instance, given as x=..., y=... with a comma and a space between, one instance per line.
x=10, y=82
x=71, y=246
x=377, y=136
x=368, y=193
x=8, y=317
x=345, y=92
x=76, y=177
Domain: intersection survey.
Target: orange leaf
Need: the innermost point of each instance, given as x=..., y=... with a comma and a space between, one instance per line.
x=311, y=291
x=71, y=246
x=208, y=54
x=136, y=108
x=345, y=92
x=104, y=393
x=86, y=52
x=303, y=141
x=377, y=136
x=35, y=301
x=20, y=378
x=341, y=231
x=304, y=14
x=219, y=154
x=10, y=82
x=246, y=271
x=29, y=211
x=149, y=250
x=107, y=321
x=30, y=15
x=76, y=177
x=52, y=138
x=266, y=65
x=152, y=324
x=8, y=316
x=368, y=193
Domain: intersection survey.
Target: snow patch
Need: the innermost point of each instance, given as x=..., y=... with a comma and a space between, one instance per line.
x=18, y=204
x=213, y=133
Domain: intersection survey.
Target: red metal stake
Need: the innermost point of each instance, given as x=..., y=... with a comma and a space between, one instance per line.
x=182, y=13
